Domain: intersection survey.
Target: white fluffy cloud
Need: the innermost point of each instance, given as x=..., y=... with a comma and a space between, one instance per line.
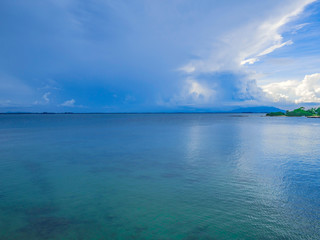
x=69, y=103
x=198, y=91
x=305, y=91
x=250, y=41
x=265, y=52
x=246, y=44
x=194, y=93
x=274, y=47
x=46, y=97
x=267, y=36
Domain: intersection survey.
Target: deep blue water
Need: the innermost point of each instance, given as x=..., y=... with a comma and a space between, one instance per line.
x=159, y=176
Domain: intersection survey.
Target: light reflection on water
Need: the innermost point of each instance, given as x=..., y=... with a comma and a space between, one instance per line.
x=159, y=176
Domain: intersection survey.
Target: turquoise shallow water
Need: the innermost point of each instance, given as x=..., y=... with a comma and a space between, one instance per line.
x=159, y=176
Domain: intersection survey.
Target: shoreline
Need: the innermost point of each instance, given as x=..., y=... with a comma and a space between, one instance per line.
x=295, y=116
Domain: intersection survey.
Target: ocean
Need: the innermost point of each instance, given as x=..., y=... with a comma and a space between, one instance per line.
x=159, y=176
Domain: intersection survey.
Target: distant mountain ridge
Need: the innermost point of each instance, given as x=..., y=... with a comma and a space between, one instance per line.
x=261, y=109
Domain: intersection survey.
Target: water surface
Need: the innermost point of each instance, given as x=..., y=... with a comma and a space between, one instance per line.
x=159, y=176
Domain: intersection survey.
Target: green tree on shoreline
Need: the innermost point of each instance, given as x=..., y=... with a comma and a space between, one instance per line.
x=299, y=112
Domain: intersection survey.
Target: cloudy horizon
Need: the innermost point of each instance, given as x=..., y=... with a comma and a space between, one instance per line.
x=149, y=56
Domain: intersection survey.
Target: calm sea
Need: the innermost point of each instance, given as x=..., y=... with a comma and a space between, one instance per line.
x=159, y=176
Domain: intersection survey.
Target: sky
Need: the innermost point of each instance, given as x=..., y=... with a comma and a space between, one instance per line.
x=159, y=55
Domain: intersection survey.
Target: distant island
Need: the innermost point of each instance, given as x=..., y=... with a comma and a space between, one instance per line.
x=258, y=109
x=299, y=112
